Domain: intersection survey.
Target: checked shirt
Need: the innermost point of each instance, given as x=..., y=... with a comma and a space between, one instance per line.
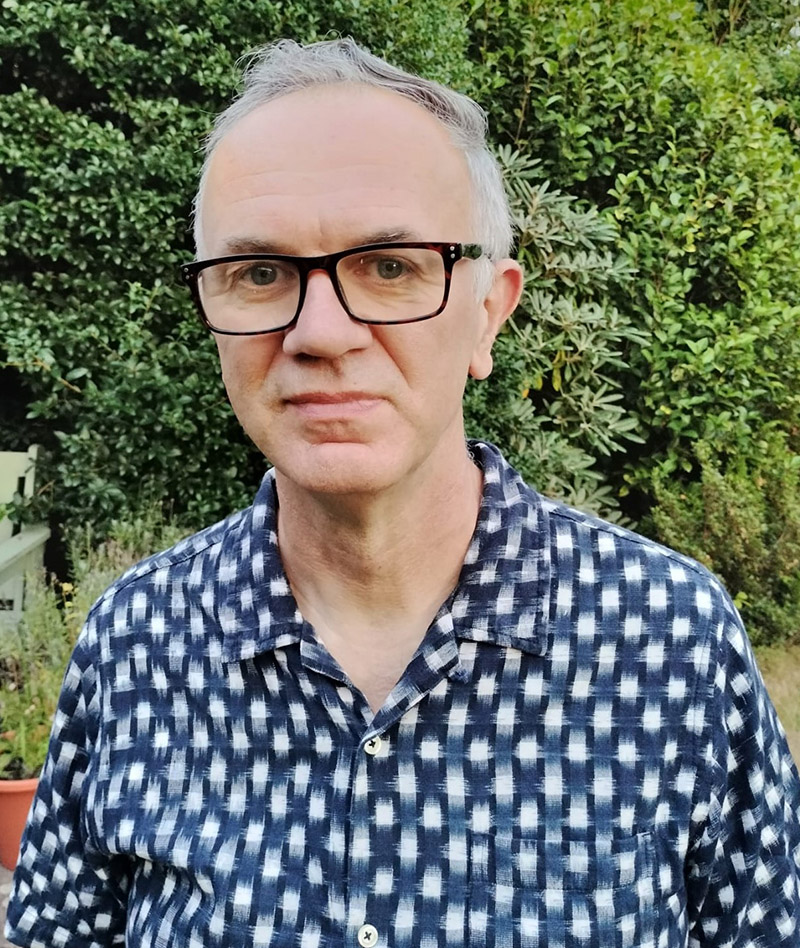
x=580, y=755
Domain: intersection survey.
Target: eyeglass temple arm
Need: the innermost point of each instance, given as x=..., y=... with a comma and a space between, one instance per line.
x=472, y=251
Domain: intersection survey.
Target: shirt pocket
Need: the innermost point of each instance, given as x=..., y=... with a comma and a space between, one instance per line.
x=570, y=892
x=580, y=865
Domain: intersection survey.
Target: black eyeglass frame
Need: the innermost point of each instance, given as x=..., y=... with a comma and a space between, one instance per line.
x=450, y=253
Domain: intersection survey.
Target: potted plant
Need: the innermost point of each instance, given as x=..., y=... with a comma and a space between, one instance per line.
x=33, y=657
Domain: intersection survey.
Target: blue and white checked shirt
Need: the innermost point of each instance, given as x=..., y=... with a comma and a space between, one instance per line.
x=580, y=755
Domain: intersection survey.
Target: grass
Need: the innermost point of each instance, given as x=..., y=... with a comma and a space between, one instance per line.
x=780, y=667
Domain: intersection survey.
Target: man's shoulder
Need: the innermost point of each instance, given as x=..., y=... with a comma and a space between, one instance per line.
x=195, y=555
x=588, y=548
x=588, y=557
x=572, y=526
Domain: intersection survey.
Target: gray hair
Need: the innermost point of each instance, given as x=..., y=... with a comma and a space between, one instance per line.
x=283, y=67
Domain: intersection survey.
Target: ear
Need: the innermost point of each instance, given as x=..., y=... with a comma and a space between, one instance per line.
x=499, y=304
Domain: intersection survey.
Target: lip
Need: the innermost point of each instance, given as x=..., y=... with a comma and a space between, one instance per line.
x=331, y=398
x=334, y=404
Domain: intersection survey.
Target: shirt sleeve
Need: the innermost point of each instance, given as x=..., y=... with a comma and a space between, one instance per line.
x=66, y=893
x=743, y=872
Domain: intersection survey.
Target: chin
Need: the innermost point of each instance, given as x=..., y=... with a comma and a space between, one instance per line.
x=340, y=468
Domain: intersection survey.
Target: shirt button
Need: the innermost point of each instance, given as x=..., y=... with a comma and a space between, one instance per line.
x=368, y=936
x=372, y=747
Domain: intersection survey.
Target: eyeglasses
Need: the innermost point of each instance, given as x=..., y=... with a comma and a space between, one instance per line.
x=384, y=284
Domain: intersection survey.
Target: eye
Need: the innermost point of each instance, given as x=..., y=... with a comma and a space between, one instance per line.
x=260, y=274
x=389, y=269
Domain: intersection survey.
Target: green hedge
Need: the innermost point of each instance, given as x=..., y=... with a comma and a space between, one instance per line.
x=637, y=109
x=102, y=111
x=742, y=520
x=653, y=159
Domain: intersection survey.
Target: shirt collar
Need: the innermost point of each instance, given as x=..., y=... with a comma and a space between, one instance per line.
x=502, y=591
x=500, y=599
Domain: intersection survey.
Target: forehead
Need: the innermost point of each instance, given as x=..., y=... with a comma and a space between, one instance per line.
x=321, y=168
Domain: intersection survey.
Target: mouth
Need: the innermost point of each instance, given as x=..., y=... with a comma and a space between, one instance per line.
x=334, y=404
x=331, y=398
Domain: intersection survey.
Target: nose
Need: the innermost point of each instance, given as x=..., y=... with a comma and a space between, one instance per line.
x=323, y=328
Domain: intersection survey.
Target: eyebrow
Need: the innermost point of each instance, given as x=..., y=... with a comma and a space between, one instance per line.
x=238, y=245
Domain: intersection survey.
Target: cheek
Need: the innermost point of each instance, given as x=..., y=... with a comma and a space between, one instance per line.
x=434, y=362
x=245, y=362
x=455, y=343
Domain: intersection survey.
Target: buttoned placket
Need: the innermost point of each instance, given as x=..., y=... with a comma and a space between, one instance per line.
x=369, y=913
x=373, y=764
x=376, y=766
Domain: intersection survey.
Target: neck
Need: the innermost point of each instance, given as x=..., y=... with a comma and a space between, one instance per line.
x=371, y=572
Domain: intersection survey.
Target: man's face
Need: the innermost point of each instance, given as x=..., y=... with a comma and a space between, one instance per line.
x=320, y=171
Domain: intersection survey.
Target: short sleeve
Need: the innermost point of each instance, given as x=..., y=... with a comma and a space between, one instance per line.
x=66, y=893
x=743, y=879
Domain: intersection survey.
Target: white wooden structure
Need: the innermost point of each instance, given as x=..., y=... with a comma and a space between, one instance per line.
x=21, y=548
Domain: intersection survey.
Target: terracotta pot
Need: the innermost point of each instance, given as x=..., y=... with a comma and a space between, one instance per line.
x=16, y=797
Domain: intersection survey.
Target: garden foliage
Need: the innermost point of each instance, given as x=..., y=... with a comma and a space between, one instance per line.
x=33, y=657
x=742, y=520
x=102, y=114
x=653, y=159
x=642, y=112
x=554, y=399
x=34, y=653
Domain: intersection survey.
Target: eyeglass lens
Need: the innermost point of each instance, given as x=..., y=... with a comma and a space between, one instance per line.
x=378, y=285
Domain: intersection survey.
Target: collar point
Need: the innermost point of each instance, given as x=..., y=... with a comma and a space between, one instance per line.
x=459, y=673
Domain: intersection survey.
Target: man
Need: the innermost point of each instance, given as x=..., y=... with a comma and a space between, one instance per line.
x=402, y=700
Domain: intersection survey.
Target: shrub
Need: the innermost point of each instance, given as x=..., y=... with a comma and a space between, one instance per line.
x=715, y=231
x=647, y=112
x=742, y=520
x=102, y=110
x=553, y=401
